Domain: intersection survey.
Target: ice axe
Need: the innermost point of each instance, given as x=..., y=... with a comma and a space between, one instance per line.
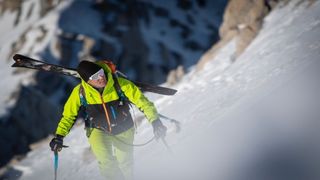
x=177, y=123
x=166, y=144
x=56, y=161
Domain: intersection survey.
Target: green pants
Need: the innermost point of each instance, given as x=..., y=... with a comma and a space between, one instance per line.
x=114, y=157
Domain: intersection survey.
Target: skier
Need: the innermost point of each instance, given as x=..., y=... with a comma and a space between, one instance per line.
x=109, y=125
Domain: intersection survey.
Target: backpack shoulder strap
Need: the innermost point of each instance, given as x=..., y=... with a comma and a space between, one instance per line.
x=115, y=77
x=87, y=120
x=122, y=96
x=82, y=94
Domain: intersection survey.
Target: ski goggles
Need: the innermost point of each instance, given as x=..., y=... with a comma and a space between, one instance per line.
x=97, y=75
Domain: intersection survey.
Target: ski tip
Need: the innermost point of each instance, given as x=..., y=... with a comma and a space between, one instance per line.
x=160, y=90
x=175, y=91
x=16, y=56
x=15, y=65
x=172, y=93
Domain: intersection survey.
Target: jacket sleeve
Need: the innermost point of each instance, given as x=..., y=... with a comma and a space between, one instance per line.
x=70, y=113
x=134, y=94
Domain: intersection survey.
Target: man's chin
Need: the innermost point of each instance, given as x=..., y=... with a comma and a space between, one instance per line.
x=102, y=86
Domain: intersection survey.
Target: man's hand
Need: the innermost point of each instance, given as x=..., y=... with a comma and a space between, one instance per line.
x=159, y=130
x=56, y=144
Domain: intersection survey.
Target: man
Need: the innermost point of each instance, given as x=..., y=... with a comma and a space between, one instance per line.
x=109, y=125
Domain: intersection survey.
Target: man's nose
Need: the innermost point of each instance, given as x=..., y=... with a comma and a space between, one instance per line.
x=100, y=79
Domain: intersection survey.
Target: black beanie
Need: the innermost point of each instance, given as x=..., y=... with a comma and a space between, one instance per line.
x=87, y=69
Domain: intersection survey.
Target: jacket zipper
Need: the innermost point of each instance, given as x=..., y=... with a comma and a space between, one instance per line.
x=106, y=114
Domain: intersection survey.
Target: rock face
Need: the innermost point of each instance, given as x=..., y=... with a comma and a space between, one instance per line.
x=146, y=39
x=16, y=5
x=242, y=21
x=42, y=121
x=31, y=119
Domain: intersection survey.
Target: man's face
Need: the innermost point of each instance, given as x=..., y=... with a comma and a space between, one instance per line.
x=98, y=80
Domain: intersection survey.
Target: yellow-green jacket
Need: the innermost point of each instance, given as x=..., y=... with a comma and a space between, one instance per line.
x=93, y=97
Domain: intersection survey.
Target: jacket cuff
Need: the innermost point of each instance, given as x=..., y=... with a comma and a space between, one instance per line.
x=59, y=136
x=152, y=121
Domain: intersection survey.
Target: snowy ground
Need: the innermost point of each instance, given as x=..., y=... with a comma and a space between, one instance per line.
x=257, y=118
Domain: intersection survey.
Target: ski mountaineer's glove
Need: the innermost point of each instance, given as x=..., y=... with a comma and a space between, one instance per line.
x=56, y=144
x=159, y=130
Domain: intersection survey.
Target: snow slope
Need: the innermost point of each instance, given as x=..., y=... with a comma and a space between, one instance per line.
x=257, y=118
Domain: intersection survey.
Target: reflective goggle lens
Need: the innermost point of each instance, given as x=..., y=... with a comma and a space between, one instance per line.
x=97, y=75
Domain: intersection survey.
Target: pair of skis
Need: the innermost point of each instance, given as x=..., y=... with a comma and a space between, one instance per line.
x=27, y=62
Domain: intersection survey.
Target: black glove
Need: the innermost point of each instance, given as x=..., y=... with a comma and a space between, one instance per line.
x=56, y=144
x=159, y=130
